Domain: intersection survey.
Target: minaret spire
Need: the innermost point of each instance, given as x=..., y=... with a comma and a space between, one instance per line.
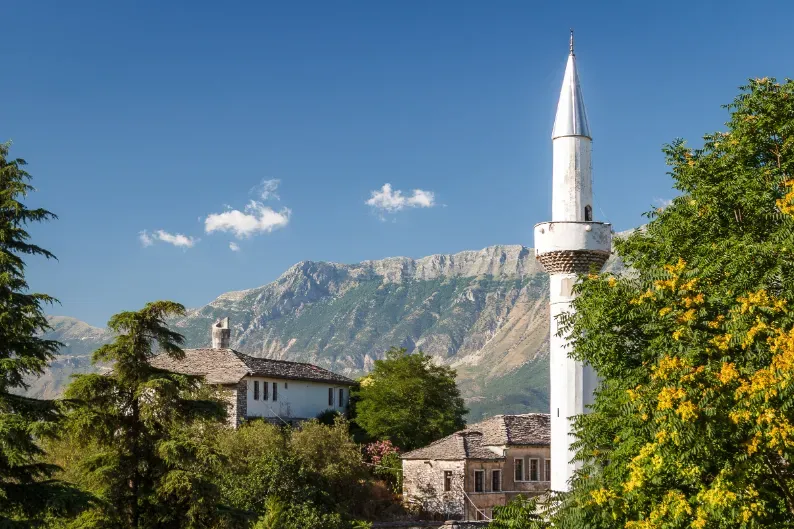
x=571, y=117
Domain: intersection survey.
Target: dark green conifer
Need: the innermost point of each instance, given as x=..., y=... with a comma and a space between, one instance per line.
x=27, y=492
x=143, y=426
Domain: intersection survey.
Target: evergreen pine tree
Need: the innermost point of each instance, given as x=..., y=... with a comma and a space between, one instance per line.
x=147, y=461
x=27, y=491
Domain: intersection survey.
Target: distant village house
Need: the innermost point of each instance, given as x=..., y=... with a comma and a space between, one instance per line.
x=276, y=390
x=464, y=475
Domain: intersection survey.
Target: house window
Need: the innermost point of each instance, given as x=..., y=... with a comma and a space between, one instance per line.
x=480, y=514
x=588, y=213
x=548, y=470
x=264, y=390
x=496, y=480
x=256, y=390
x=341, y=397
x=479, y=481
x=275, y=392
x=518, y=465
x=447, y=480
x=285, y=385
x=330, y=397
x=534, y=470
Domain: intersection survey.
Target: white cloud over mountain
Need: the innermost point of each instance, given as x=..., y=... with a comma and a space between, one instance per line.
x=266, y=189
x=175, y=239
x=255, y=218
x=388, y=200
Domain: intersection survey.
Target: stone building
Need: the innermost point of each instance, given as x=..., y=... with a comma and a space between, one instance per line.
x=276, y=390
x=464, y=475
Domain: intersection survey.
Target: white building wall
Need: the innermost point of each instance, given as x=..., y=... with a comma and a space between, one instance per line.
x=572, y=178
x=296, y=399
x=572, y=387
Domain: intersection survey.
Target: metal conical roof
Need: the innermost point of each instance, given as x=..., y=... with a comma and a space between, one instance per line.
x=571, y=117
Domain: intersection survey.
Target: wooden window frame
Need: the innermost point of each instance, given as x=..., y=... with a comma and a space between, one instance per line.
x=537, y=469
x=341, y=397
x=497, y=482
x=516, y=467
x=547, y=469
x=482, y=480
x=256, y=390
x=275, y=391
x=330, y=397
x=265, y=392
x=447, y=480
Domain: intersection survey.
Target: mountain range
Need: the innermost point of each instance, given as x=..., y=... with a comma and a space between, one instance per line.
x=485, y=313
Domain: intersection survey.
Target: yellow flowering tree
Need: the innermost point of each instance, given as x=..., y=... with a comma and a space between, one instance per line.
x=693, y=424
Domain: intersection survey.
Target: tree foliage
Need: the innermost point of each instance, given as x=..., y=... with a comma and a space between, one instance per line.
x=693, y=425
x=311, y=477
x=139, y=429
x=27, y=492
x=409, y=400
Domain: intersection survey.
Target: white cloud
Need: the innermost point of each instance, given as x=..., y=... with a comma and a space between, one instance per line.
x=389, y=200
x=233, y=246
x=145, y=239
x=256, y=218
x=663, y=202
x=177, y=239
x=266, y=189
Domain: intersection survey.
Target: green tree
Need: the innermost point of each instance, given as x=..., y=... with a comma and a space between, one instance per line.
x=289, y=479
x=693, y=425
x=141, y=429
x=409, y=400
x=27, y=491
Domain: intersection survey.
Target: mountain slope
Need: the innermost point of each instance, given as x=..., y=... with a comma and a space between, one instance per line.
x=483, y=312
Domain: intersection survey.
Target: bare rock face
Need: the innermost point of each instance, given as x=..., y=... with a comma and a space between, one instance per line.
x=484, y=312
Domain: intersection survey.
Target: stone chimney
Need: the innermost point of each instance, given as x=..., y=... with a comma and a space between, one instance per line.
x=221, y=334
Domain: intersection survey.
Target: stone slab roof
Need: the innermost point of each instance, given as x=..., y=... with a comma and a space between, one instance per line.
x=267, y=367
x=529, y=429
x=459, y=445
x=532, y=429
x=227, y=366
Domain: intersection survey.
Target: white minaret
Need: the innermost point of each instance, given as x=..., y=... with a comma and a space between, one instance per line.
x=569, y=245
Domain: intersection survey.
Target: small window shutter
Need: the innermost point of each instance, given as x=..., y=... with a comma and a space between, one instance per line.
x=256, y=390
x=330, y=396
x=341, y=397
x=275, y=391
x=264, y=391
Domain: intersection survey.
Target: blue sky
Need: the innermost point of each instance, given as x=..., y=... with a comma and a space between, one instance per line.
x=170, y=116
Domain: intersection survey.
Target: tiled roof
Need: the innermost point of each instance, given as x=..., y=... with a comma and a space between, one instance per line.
x=219, y=366
x=266, y=367
x=530, y=429
x=227, y=366
x=524, y=429
x=459, y=445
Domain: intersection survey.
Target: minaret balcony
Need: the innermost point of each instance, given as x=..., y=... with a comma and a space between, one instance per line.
x=572, y=247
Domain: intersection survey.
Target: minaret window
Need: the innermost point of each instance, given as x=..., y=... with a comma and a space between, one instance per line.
x=588, y=213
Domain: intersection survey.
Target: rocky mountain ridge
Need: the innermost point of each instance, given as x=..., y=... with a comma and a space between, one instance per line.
x=483, y=312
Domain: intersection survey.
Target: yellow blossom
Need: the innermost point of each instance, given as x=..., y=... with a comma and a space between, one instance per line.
x=687, y=411
x=601, y=496
x=722, y=341
x=728, y=373
x=687, y=316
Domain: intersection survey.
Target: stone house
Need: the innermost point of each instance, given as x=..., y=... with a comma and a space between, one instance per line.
x=464, y=475
x=276, y=390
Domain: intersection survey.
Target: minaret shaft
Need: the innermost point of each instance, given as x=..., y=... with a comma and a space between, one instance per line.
x=570, y=245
